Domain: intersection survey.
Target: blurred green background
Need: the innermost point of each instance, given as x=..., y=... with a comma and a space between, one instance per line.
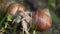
x=52, y=5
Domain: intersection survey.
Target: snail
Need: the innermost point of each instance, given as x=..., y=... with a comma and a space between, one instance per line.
x=14, y=9
x=19, y=9
x=42, y=19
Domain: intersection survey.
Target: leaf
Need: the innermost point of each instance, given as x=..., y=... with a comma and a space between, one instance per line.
x=9, y=17
x=6, y=24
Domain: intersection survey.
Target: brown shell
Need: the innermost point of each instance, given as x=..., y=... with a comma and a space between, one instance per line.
x=16, y=7
x=42, y=20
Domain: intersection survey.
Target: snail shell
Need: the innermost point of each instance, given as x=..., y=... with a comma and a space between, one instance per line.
x=16, y=8
x=42, y=19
